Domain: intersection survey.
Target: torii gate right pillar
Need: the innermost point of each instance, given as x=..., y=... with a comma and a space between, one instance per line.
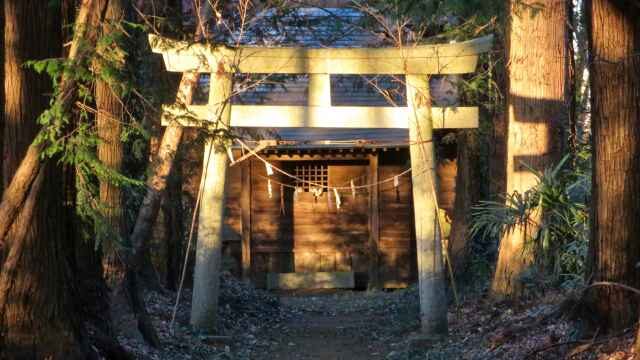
x=431, y=282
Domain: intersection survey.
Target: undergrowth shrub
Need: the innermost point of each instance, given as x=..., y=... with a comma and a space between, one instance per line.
x=560, y=245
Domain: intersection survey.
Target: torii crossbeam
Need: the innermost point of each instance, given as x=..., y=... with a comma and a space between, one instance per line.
x=416, y=63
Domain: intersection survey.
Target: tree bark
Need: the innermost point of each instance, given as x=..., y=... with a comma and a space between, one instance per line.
x=23, y=181
x=467, y=194
x=36, y=302
x=174, y=225
x=537, y=107
x=1, y=104
x=615, y=82
x=27, y=92
x=37, y=312
x=110, y=151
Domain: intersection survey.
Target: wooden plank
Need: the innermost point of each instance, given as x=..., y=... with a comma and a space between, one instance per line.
x=374, y=224
x=456, y=58
x=245, y=205
x=366, y=117
x=319, y=90
x=311, y=280
x=433, y=303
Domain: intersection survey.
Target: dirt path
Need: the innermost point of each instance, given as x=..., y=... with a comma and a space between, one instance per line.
x=331, y=325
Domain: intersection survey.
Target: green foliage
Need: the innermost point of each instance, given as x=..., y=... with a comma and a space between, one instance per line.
x=70, y=137
x=557, y=207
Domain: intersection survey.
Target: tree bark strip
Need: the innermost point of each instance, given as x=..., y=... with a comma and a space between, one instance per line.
x=537, y=107
x=18, y=189
x=110, y=152
x=20, y=125
x=37, y=287
x=467, y=194
x=1, y=102
x=615, y=82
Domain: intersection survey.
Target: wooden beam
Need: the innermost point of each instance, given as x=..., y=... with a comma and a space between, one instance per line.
x=206, y=277
x=262, y=144
x=374, y=225
x=324, y=116
x=319, y=90
x=456, y=58
x=245, y=208
x=315, y=157
x=433, y=303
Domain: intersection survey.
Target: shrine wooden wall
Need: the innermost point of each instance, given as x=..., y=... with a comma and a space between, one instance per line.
x=309, y=234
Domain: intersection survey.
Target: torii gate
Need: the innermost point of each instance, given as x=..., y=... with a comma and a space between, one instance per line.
x=416, y=63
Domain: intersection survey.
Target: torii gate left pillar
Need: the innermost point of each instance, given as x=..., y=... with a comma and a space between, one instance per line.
x=204, y=305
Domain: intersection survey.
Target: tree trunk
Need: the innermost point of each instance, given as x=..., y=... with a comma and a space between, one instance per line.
x=467, y=194
x=37, y=312
x=161, y=168
x=1, y=105
x=615, y=83
x=38, y=318
x=23, y=181
x=538, y=107
x=173, y=215
x=110, y=151
x=27, y=92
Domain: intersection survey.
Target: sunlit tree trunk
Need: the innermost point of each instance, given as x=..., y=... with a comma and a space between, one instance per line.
x=27, y=92
x=110, y=151
x=23, y=181
x=537, y=109
x=1, y=104
x=37, y=313
x=615, y=83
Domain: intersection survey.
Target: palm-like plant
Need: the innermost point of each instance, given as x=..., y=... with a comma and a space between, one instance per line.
x=558, y=203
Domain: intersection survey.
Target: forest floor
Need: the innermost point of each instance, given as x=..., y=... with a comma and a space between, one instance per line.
x=355, y=325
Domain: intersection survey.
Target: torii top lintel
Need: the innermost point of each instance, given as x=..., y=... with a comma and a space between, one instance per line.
x=454, y=58
x=415, y=62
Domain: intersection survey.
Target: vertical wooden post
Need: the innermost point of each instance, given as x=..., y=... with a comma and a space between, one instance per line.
x=245, y=206
x=433, y=303
x=374, y=225
x=319, y=90
x=206, y=278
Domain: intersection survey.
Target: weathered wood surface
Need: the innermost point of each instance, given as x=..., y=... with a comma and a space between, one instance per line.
x=314, y=236
x=397, y=241
x=366, y=117
x=374, y=224
x=433, y=304
x=311, y=280
x=245, y=208
x=456, y=58
x=206, y=278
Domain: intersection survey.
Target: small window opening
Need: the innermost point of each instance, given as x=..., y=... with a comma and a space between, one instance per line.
x=315, y=173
